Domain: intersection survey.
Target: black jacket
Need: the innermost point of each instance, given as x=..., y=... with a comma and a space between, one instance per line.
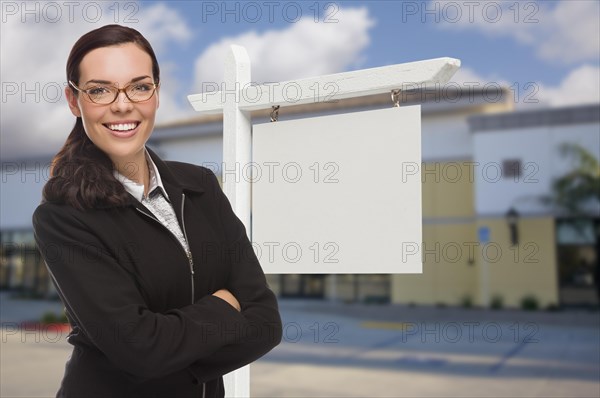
x=127, y=285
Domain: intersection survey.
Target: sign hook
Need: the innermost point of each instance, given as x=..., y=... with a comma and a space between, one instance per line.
x=275, y=113
x=396, y=98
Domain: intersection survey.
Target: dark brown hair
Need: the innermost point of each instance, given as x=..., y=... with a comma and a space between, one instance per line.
x=81, y=174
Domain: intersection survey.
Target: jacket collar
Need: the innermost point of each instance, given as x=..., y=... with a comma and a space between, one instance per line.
x=168, y=176
x=174, y=184
x=136, y=189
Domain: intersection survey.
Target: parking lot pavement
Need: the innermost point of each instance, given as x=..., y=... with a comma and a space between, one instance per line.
x=32, y=361
x=380, y=351
x=394, y=351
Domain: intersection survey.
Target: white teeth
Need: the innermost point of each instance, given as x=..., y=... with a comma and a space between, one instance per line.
x=122, y=126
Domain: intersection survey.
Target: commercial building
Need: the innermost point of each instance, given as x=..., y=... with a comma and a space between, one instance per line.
x=480, y=158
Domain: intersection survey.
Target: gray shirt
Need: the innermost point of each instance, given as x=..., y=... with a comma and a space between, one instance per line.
x=157, y=200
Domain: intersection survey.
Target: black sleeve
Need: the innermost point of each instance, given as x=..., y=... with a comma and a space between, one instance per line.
x=107, y=305
x=260, y=329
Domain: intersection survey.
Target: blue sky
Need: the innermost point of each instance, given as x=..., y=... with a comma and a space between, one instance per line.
x=553, y=45
x=405, y=31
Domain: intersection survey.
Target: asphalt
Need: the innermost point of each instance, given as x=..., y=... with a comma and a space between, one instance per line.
x=356, y=350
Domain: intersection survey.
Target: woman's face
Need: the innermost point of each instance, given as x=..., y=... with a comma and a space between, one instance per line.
x=122, y=128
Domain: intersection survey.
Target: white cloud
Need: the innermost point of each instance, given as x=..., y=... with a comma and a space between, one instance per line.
x=303, y=49
x=580, y=86
x=572, y=32
x=33, y=56
x=162, y=25
x=566, y=32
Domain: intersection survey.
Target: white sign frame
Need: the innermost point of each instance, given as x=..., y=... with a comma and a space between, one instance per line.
x=237, y=126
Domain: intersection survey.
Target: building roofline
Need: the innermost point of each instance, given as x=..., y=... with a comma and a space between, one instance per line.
x=571, y=115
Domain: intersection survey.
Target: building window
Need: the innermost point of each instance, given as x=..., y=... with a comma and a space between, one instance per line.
x=511, y=168
x=22, y=269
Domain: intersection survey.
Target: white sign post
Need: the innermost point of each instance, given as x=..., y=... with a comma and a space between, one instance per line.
x=238, y=97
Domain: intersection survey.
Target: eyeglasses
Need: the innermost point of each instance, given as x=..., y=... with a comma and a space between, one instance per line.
x=105, y=94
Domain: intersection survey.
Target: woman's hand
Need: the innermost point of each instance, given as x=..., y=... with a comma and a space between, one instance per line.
x=227, y=296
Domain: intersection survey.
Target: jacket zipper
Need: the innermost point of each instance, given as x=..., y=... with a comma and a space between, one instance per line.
x=191, y=261
x=188, y=253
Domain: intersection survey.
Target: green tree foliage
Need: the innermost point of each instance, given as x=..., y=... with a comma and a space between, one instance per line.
x=576, y=190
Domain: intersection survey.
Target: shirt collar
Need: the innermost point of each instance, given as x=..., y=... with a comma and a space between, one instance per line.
x=136, y=189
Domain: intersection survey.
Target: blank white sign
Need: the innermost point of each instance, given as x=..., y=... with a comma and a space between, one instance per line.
x=338, y=194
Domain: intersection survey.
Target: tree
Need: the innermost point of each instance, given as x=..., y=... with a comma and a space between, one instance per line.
x=577, y=194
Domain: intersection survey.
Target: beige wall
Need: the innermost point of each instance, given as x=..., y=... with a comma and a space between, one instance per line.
x=447, y=190
x=528, y=268
x=513, y=272
x=455, y=263
x=448, y=233
x=449, y=273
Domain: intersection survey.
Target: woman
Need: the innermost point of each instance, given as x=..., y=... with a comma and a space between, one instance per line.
x=158, y=278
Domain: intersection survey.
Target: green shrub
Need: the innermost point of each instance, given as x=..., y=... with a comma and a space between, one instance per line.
x=530, y=303
x=497, y=302
x=51, y=317
x=466, y=301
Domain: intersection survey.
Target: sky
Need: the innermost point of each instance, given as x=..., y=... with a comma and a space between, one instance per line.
x=546, y=52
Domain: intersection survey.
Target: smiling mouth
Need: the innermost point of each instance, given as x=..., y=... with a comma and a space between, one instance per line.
x=122, y=127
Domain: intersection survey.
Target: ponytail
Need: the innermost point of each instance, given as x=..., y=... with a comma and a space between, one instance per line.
x=82, y=175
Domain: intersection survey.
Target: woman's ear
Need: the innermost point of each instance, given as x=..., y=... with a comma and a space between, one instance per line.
x=72, y=100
